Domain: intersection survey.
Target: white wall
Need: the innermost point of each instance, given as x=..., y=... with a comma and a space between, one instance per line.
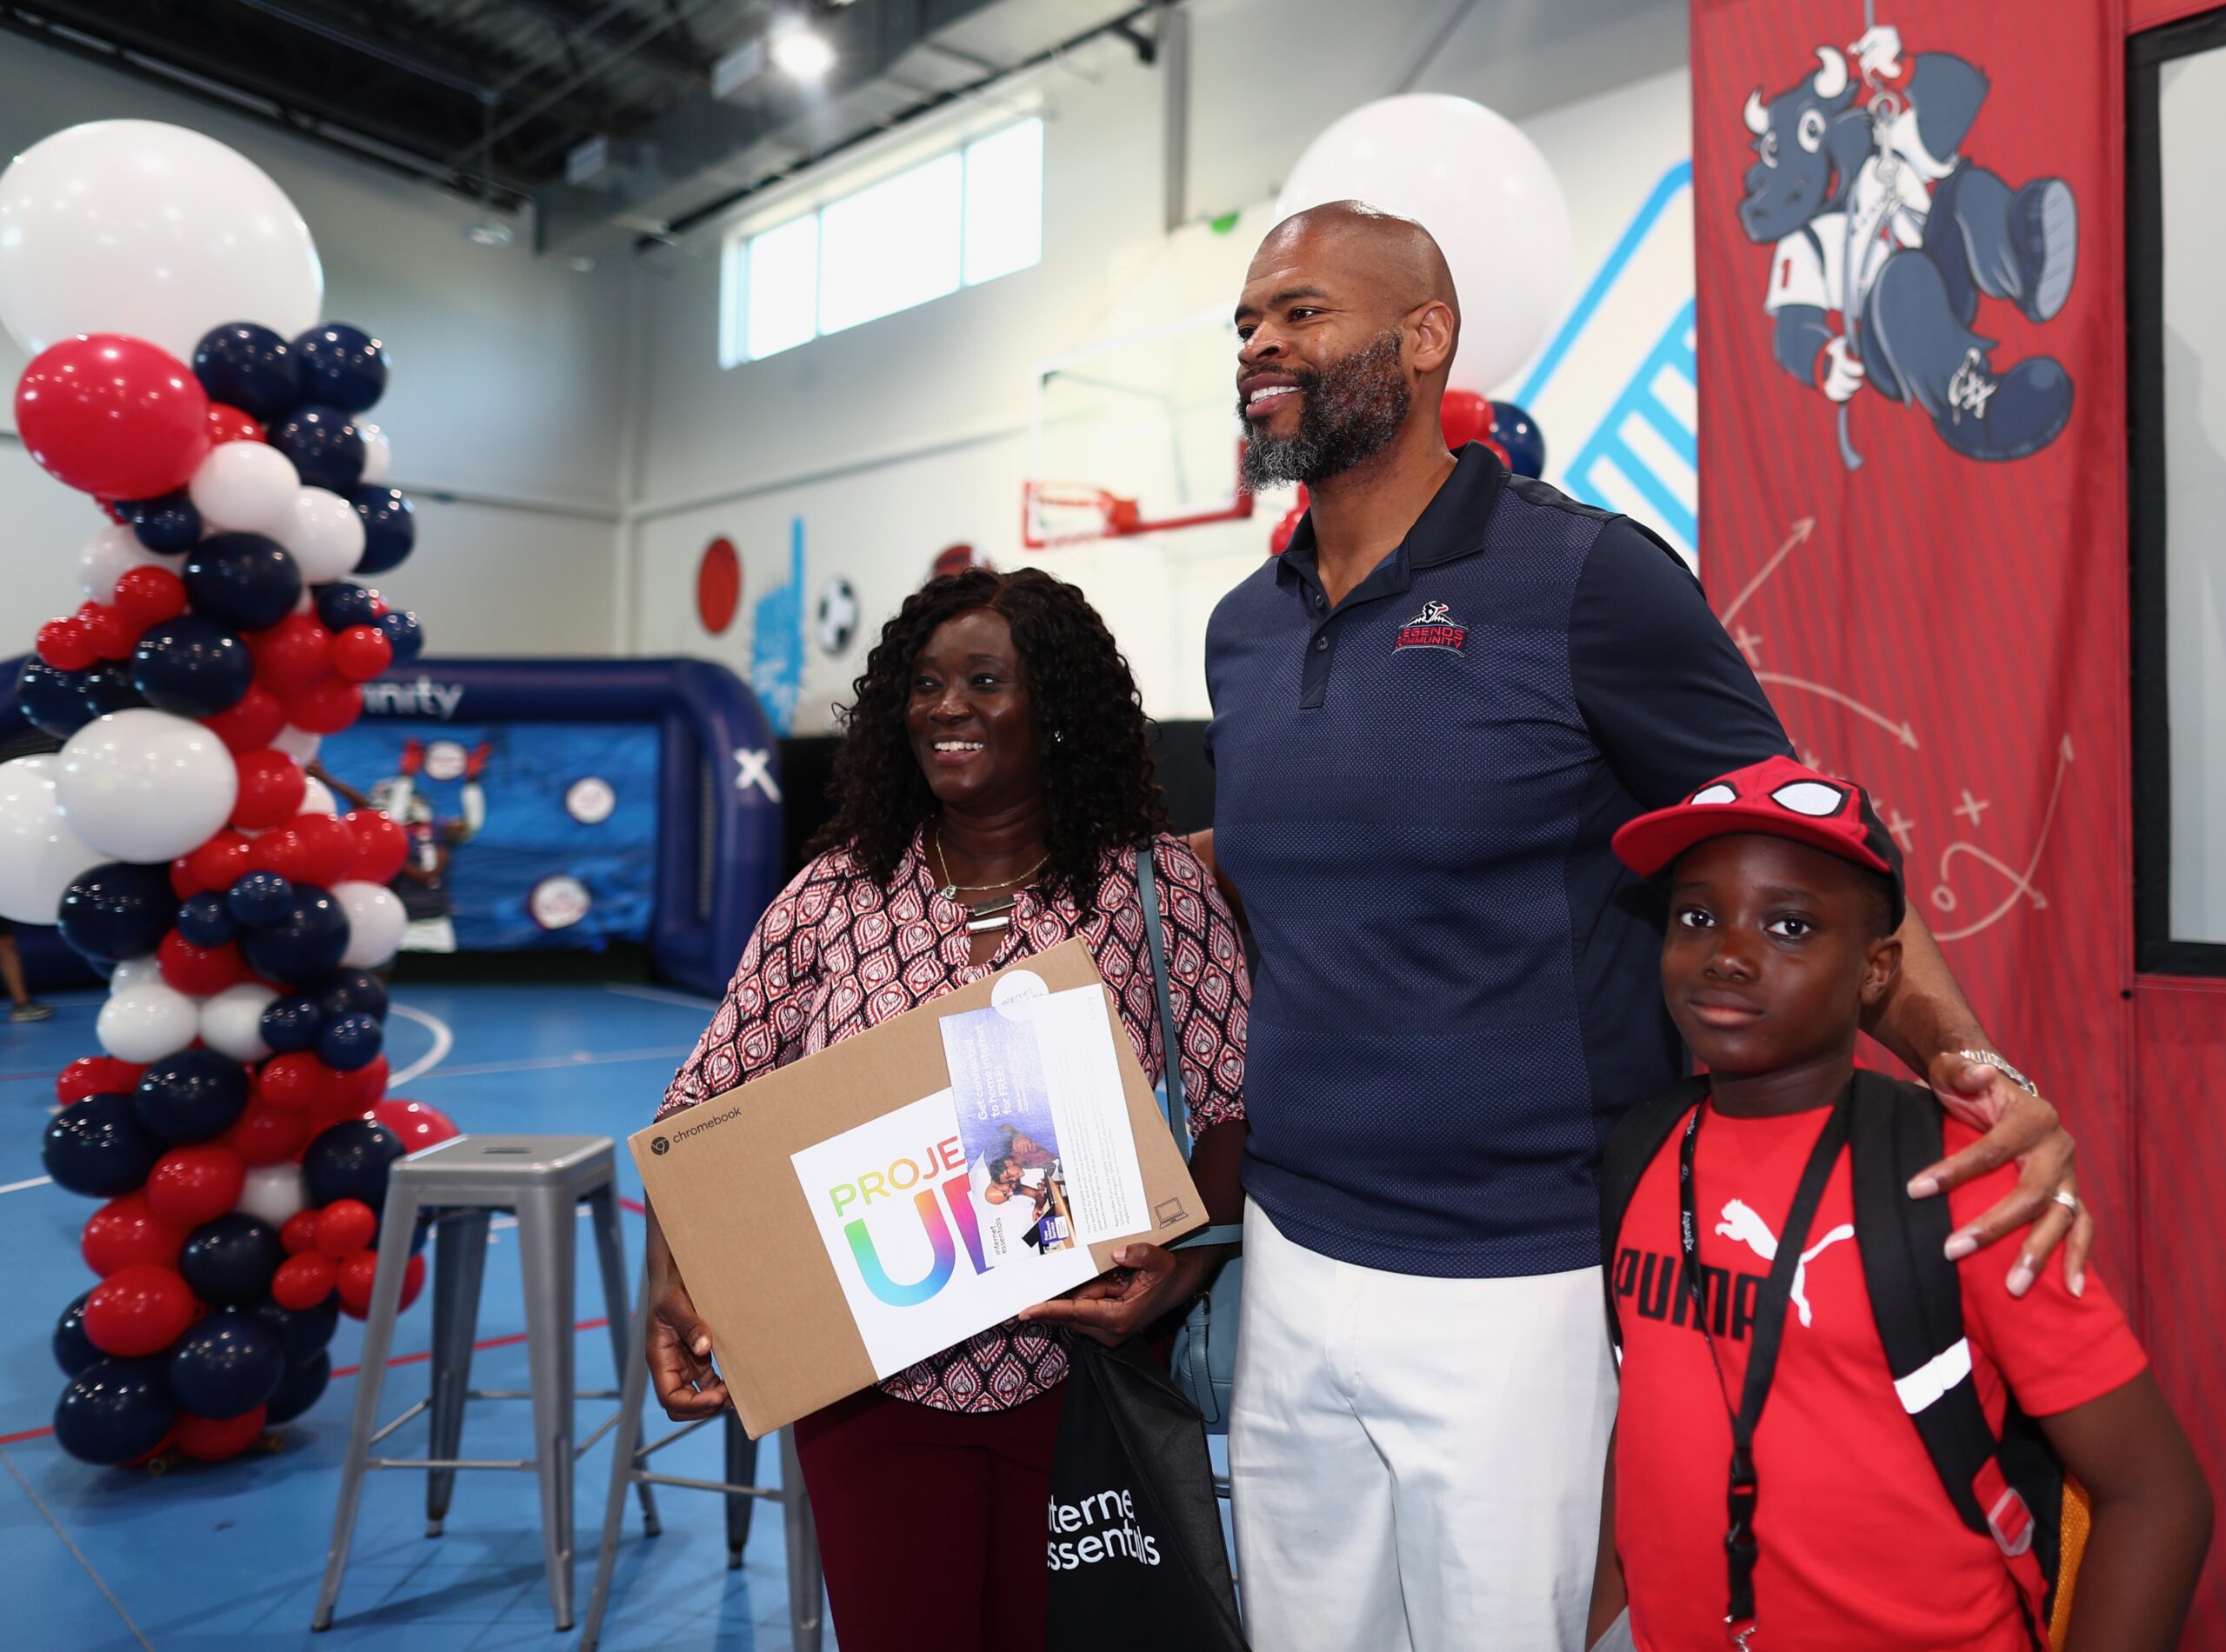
x=506, y=390
x=896, y=438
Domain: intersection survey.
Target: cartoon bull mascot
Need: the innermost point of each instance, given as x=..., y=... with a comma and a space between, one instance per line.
x=1885, y=236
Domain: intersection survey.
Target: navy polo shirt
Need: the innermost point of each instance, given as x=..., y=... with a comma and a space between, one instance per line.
x=1458, y=987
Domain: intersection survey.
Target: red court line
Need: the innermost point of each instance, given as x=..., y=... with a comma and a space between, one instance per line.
x=352, y=1370
x=635, y=1205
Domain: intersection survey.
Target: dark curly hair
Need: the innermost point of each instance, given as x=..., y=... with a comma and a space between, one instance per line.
x=1099, y=792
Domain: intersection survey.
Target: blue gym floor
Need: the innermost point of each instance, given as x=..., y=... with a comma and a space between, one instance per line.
x=93, y=1559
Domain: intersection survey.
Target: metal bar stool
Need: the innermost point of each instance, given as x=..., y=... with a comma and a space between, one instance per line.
x=543, y=1179
x=628, y=1456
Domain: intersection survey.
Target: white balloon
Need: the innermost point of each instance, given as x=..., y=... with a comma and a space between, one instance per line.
x=318, y=798
x=375, y=921
x=131, y=973
x=231, y=1021
x=143, y=785
x=379, y=455
x=324, y=534
x=245, y=487
x=147, y=1023
x=1476, y=182
x=152, y=230
x=108, y=556
x=298, y=743
x=40, y=854
x=272, y=1193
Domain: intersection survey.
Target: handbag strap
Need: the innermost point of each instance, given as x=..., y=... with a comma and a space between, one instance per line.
x=1174, y=1098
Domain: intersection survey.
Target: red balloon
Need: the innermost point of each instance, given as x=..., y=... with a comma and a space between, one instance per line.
x=1463, y=416
x=413, y=1280
x=138, y=1311
x=326, y=707
x=345, y=1227
x=292, y=654
x=94, y=1075
x=125, y=1232
x=217, y=864
x=302, y=1281
x=216, y=1439
x=66, y=643
x=418, y=1125
x=381, y=846
x=191, y=1185
x=198, y=971
x=298, y=1237
x=230, y=424
x=355, y=1091
x=294, y=1082
x=113, y=635
x=271, y=790
x=266, y=1135
x=361, y=652
x=326, y=849
x=252, y=725
x=113, y=416
x=355, y=1278
x=149, y=595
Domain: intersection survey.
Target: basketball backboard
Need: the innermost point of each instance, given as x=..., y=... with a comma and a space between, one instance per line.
x=1134, y=436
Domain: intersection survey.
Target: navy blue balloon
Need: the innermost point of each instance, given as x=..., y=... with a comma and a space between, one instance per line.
x=350, y=1042
x=404, y=633
x=73, y=1349
x=257, y=899
x=192, y=666
x=231, y=1259
x=53, y=700
x=307, y=942
x=389, y=528
x=301, y=1387
x=341, y=604
x=250, y=367
x=346, y=989
x=342, y=366
x=205, y=920
x=244, y=581
x=118, y=910
x=292, y=1023
x=303, y=1334
x=167, y=525
x=1518, y=433
x=106, y=687
x=351, y=1161
x=114, y=1411
x=228, y=1364
x=193, y=1097
x=325, y=446
x=96, y=1146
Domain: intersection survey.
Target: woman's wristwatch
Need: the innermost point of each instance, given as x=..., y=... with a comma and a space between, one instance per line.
x=1989, y=1058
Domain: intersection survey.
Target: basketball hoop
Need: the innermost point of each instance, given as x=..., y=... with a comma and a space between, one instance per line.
x=1068, y=513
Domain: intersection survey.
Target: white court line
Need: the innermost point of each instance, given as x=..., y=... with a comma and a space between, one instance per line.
x=660, y=996
x=36, y=1181
x=577, y=1058
x=443, y=1041
x=76, y=1553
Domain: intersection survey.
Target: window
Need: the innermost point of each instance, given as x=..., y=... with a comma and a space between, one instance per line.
x=964, y=217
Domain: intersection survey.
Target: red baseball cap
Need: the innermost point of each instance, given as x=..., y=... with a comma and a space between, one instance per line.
x=1779, y=798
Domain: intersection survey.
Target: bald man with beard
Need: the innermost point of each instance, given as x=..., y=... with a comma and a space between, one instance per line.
x=1430, y=714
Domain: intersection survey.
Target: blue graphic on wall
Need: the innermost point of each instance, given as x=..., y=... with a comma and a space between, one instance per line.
x=1641, y=451
x=521, y=834
x=777, y=641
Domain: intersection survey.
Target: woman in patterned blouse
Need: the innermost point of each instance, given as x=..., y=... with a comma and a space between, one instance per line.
x=994, y=765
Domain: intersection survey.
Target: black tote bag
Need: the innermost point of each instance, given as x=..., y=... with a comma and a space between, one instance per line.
x=1136, y=1555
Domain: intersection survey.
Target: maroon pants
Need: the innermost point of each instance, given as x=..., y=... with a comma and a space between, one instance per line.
x=931, y=1523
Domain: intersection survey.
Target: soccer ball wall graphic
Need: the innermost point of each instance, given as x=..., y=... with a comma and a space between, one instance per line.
x=838, y=615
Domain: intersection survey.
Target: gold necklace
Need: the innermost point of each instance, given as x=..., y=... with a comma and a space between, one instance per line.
x=950, y=889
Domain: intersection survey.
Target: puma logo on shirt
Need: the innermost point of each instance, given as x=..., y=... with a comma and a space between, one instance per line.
x=1740, y=1223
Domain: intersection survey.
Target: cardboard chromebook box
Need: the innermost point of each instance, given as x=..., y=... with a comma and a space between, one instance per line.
x=857, y=1210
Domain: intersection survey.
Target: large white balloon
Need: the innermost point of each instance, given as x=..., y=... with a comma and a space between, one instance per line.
x=231, y=1021
x=39, y=852
x=110, y=555
x=318, y=798
x=152, y=230
x=272, y=1193
x=147, y=1023
x=375, y=921
x=1474, y=180
x=325, y=535
x=143, y=785
x=131, y=973
x=245, y=487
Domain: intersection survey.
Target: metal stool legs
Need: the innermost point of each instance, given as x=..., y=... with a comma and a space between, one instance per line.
x=459, y=1260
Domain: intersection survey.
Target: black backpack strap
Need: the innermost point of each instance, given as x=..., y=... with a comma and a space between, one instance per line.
x=1638, y=1135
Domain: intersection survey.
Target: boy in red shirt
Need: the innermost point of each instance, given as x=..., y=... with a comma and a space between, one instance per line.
x=1784, y=896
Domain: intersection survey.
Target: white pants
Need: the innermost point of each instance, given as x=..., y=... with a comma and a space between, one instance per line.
x=1415, y=1461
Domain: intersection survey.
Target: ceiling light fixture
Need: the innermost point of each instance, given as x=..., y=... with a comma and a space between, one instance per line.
x=801, y=52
